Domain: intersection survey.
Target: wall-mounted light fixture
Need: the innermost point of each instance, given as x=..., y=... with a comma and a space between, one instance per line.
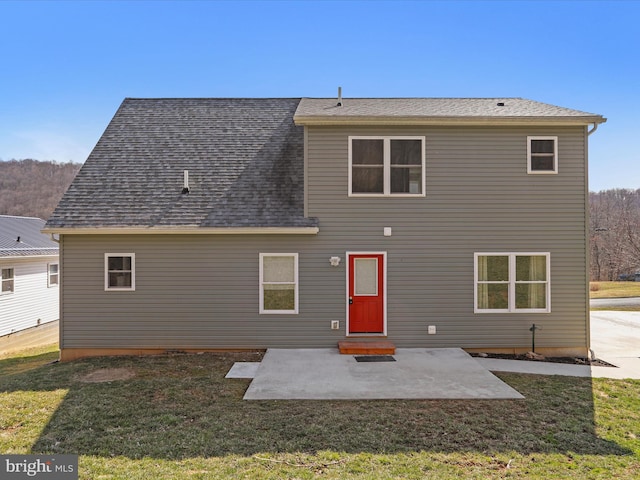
x=335, y=261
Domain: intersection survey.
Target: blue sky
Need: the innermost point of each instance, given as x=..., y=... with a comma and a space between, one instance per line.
x=66, y=66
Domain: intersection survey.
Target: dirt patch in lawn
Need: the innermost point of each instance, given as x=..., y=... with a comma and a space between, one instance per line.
x=108, y=375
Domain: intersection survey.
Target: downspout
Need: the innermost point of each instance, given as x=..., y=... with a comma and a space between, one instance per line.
x=590, y=353
x=60, y=296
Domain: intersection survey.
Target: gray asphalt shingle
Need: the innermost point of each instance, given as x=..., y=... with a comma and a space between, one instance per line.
x=244, y=157
x=470, y=108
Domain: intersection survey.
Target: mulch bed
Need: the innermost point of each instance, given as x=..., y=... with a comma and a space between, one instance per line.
x=569, y=360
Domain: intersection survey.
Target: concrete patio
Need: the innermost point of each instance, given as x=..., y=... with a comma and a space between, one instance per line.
x=416, y=373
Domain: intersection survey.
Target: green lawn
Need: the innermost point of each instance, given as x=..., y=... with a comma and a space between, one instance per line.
x=177, y=417
x=614, y=289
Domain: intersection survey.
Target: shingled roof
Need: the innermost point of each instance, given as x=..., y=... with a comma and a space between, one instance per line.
x=245, y=159
x=21, y=237
x=438, y=110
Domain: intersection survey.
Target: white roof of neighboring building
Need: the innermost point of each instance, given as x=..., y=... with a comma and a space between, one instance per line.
x=21, y=237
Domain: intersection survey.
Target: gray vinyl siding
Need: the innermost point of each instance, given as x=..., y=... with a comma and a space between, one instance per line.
x=479, y=198
x=201, y=291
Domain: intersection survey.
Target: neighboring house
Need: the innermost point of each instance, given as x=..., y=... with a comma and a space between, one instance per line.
x=202, y=224
x=30, y=275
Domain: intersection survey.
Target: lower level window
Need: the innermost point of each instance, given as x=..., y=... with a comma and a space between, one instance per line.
x=278, y=283
x=7, y=281
x=54, y=275
x=120, y=271
x=512, y=282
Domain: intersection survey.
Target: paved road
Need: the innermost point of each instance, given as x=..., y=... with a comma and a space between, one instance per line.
x=616, y=302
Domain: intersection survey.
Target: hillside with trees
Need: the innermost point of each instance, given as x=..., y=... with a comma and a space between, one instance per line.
x=32, y=188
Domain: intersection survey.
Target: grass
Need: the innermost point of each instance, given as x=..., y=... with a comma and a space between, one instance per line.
x=614, y=289
x=179, y=418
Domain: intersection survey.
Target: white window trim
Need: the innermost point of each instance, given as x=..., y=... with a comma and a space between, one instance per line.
x=295, y=279
x=555, y=155
x=57, y=274
x=106, y=272
x=387, y=165
x=512, y=282
x=12, y=278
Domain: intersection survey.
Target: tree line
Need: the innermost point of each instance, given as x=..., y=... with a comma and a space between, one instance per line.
x=32, y=188
x=614, y=234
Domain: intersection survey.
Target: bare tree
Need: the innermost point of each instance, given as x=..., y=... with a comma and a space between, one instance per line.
x=615, y=233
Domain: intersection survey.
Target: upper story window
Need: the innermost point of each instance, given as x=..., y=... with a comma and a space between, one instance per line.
x=387, y=166
x=7, y=282
x=542, y=154
x=512, y=282
x=119, y=271
x=53, y=274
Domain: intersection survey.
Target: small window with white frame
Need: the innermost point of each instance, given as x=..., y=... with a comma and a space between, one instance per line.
x=7, y=281
x=53, y=275
x=120, y=271
x=512, y=282
x=279, y=283
x=387, y=166
x=542, y=155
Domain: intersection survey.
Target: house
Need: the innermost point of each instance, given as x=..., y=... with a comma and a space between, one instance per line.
x=209, y=224
x=30, y=278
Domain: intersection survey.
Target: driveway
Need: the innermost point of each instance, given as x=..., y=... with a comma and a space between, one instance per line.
x=615, y=334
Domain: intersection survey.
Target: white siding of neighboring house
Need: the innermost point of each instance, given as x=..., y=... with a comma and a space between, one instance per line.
x=32, y=302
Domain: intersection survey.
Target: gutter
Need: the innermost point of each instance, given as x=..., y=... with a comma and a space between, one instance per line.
x=447, y=121
x=183, y=231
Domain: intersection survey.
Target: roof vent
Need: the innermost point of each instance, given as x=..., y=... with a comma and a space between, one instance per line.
x=500, y=104
x=18, y=239
x=185, y=188
x=339, y=97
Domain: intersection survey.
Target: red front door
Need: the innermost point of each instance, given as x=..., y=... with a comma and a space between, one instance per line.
x=366, y=293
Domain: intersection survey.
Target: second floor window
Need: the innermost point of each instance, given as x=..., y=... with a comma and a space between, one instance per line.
x=542, y=154
x=386, y=166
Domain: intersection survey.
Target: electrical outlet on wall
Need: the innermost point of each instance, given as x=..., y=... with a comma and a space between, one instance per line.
x=335, y=324
x=431, y=330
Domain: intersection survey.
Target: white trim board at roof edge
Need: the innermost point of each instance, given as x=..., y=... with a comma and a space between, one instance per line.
x=183, y=231
x=451, y=121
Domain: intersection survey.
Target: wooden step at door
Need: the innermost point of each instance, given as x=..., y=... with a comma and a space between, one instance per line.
x=380, y=347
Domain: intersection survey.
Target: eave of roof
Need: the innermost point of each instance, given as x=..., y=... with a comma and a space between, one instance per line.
x=28, y=252
x=183, y=230
x=449, y=121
